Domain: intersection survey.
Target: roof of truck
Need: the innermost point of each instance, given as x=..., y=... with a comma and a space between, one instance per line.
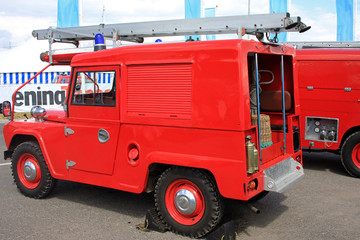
x=172, y=52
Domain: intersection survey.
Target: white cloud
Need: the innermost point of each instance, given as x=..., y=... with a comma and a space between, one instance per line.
x=323, y=24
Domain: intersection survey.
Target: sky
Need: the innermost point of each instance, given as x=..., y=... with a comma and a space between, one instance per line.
x=19, y=17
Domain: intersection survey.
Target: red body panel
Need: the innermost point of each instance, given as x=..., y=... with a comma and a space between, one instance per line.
x=329, y=81
x=196, y=113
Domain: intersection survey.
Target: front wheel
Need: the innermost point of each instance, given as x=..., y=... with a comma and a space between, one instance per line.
x=30, y=171
x=350, y=154
x=188, y=201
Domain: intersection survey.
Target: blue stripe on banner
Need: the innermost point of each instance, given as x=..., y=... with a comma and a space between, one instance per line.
x=28, y=76
x=35, y=80
x=22, y=78
x=109, y=78
x=5, y=76
x=46, y=78
x=11, y=78
x=104, y=77
x=41, y=78
x=17, y=78
x=52, y=76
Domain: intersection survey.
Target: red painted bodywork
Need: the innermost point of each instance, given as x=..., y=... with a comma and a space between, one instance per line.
x=202, y=122
x=329, y=72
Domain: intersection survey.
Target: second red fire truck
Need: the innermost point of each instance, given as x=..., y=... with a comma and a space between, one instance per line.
x=329, y=83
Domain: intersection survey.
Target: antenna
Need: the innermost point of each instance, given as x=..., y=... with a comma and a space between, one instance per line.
x=103, y=14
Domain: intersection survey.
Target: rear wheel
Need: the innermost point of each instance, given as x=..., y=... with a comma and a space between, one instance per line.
x=30, y=171
x=350, y=154
x=188, y=201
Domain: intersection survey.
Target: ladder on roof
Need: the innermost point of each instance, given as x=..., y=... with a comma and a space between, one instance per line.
x=258, y=25
x=252, y=24
x=305, y=45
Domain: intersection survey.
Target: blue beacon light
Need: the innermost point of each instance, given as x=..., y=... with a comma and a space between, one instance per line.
x=99, y=42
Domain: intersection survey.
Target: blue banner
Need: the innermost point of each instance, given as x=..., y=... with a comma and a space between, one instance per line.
x=210, y=12
x=279, y=6
x=68, y=13
x=345, y=20
x=193, y=10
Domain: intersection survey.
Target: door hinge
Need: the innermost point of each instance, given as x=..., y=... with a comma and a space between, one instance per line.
x=68, y=131
x=69, y=164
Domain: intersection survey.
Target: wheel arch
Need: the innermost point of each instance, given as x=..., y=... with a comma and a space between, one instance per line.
x=19, y=138
x=156, y=169
x=224, y=171
x=348, y=133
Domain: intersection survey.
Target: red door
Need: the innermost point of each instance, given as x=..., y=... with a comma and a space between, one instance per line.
x=93, y=122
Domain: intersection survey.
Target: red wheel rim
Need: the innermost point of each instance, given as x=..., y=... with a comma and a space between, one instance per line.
x=185, y=202
x=356, y=155
x=29, y=171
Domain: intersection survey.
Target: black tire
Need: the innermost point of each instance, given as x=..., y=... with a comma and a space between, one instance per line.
x=350, y=154
x=30, y=172
x=209, y=208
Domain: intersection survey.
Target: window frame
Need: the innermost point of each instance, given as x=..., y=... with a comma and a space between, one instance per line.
x=96, y=71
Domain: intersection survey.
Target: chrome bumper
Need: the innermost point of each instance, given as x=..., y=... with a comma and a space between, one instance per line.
x=282, y=175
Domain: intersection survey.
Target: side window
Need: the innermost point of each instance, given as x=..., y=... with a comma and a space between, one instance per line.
x=95, y=88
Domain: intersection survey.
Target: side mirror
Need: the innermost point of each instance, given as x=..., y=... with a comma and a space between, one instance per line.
x=6, y=108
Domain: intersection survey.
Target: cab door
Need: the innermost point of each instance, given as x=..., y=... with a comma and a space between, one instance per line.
x=93, y=120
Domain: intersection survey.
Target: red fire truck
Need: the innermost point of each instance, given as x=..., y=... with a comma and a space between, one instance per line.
x=329, y=81
x=181, y=119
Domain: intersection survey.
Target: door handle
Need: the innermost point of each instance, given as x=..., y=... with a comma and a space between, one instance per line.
x=103, y=135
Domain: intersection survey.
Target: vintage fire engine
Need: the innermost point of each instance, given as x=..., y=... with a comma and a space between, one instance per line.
x=195, y=122
x=329, y=81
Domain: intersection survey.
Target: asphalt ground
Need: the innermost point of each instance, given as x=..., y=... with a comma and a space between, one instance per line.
x=325, y=204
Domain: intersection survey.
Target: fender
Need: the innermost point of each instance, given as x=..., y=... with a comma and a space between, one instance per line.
x=33, y=131
x=227, y=172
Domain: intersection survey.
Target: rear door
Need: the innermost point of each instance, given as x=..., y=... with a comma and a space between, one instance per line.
x=93, y=121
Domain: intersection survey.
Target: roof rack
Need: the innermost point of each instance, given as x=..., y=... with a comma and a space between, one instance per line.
x=303, y=45
x=258, y=25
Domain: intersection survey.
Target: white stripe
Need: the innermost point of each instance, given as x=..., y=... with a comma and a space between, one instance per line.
x=5, y=164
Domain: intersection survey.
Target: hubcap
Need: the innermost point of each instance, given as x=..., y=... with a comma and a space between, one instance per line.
x=29, y=171
x=356, y=155
x=185, y=201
